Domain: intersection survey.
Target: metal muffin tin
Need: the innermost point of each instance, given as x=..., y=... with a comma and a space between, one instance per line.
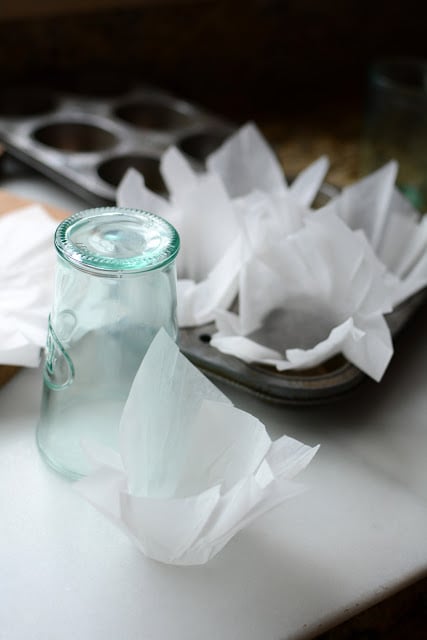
x=86, y=144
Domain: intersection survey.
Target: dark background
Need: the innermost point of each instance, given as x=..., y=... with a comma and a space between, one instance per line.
x=242, y=59
x=298, y=68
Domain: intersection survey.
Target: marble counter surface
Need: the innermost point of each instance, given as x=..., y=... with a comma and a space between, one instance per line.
x=356, y=536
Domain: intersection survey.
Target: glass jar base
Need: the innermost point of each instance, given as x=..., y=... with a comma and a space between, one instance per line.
x=67, y=473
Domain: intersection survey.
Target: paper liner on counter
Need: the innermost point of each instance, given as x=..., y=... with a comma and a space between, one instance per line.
x=192, y=469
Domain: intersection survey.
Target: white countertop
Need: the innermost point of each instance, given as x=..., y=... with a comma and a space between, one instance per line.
x=357, y=535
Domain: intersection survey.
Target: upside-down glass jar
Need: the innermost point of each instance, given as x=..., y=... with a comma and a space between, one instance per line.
x=115, y=288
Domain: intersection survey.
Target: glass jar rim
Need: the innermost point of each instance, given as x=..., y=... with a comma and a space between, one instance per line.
x=152, y=242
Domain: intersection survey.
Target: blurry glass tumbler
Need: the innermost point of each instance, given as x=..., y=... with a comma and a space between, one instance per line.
x=115, y=287
x=396, y=124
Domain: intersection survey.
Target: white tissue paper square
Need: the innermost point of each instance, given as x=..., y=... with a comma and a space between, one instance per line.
x=192, y=469
x=27, y=264
x=252, y=242
x=332, y=302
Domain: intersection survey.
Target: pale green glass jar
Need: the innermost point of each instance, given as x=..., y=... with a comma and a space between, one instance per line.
x=395, y=124
x=115, y=287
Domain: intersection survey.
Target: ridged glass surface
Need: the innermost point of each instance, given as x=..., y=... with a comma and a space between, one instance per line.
x=114, y=240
